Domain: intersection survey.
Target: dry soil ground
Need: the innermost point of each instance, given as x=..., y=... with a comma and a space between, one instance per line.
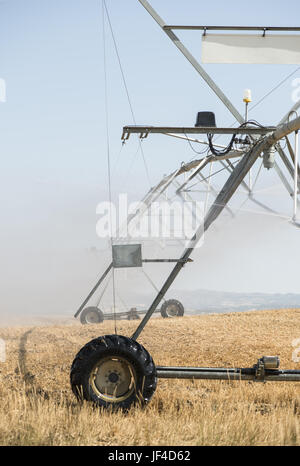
x=37, y=406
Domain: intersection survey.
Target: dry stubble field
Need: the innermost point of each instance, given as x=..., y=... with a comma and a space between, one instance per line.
x=37, y=406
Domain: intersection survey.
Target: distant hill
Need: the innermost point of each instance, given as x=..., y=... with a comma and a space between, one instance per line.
x=207, y=301
x=220, y=301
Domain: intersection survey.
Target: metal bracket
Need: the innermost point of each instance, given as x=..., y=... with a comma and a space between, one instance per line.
x=263, y=364
x=259, y=371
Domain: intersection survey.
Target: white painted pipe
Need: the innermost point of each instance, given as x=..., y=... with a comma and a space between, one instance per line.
x=295, y=177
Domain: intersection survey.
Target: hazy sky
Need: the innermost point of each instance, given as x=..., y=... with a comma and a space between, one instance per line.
x=54, y=148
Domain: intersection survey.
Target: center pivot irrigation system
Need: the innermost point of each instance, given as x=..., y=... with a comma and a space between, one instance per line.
x=117, y=371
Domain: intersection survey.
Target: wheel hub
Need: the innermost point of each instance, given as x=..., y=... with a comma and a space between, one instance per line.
x=92, y=317
x=172, y=310
x=113, y=379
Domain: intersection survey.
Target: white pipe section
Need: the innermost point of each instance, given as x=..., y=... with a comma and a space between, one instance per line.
x=295, y=177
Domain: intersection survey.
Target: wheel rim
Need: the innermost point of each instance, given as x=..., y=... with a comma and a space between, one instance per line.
x=172, y=310
x=92, y=317
x=113, y=379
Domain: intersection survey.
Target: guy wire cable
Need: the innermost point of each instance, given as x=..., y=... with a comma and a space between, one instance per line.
x=126, y=89
x=108, y=159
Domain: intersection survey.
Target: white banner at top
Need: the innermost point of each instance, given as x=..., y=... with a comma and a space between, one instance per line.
x=250, y=48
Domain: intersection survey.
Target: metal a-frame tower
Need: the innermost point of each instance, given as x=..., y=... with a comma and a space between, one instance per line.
x=117, y=371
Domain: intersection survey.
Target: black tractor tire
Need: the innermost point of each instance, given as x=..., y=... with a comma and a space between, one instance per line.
x=115, y=372
x=91, y=315
x=172, y=308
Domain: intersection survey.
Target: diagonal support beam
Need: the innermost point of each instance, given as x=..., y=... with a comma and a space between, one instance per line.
x=287, y=163
x=214, y=192
x=105, y=273
x=202, y=163
x=292, y=154
x=250, y=193
x=193, y=61
x=285, y=183
x=217, y=207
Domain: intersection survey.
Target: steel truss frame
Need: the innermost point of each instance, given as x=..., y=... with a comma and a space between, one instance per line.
x=262, y=140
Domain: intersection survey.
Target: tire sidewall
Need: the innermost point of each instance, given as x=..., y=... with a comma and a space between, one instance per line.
x=169, y=302
x=87, y=310
x=88, y=364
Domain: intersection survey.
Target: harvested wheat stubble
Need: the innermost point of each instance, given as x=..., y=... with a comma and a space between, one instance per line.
x=37, y=406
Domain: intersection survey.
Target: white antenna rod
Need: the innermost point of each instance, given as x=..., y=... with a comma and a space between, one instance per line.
x=247, y=98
